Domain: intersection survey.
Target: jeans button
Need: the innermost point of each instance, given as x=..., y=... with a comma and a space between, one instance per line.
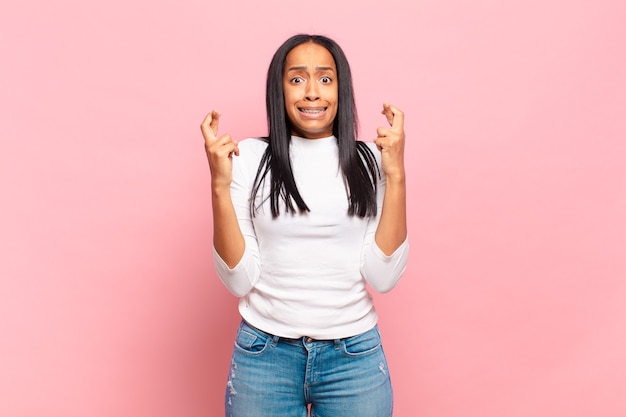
x=309, y=340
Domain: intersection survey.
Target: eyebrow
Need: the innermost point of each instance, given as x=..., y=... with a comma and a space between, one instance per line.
x=304, y=67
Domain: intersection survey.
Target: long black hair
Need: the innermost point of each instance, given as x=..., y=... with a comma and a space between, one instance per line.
x=357, y=162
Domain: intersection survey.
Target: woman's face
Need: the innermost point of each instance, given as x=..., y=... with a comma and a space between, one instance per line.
x=310, y=89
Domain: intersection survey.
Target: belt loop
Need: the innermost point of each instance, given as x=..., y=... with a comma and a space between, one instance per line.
x=337, y=344
x=275, y=340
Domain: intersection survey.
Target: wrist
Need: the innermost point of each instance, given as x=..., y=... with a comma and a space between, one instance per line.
x=219, y=189
x=397, y=178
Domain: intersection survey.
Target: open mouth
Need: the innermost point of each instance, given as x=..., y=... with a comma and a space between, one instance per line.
x=316, y=110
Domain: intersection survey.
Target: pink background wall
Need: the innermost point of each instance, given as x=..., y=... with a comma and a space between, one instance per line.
x=514, y=302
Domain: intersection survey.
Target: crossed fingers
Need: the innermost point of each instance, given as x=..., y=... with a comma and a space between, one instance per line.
x=224, y=145
x=395, y=131
x=210, y=124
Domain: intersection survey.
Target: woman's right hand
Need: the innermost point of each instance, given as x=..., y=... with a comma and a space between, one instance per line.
x=219, y=151
x=227, y=238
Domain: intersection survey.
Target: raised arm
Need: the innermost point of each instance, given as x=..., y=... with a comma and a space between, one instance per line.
x=392, y=230
x=227, y=237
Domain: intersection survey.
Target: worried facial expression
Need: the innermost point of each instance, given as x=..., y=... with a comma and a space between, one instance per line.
x=310, y=90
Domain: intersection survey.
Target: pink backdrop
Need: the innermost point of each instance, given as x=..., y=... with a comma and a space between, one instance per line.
x=514, y=302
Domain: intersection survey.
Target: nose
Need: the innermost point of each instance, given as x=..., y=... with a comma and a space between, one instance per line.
x=312, y=92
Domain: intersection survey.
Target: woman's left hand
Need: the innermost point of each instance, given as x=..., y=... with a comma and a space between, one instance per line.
x=390, y=143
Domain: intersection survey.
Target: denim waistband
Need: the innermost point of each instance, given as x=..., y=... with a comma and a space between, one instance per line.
x=294, y=341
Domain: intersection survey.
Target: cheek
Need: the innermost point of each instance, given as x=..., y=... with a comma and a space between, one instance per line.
x=334, y=97
x=289, y=96
x=286, y=91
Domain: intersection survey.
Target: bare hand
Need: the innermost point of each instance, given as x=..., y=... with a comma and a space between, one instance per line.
x=219, y=150
x=390, y=142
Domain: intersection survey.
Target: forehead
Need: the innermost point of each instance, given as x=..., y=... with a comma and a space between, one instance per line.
x=310, y=55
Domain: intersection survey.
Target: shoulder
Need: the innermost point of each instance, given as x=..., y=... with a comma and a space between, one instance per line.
x=253, y=145
x=251, y=150
x=370, y=145
x=369, y=148
x=250, y=153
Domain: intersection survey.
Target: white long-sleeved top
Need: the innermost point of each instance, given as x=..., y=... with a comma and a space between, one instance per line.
x=305, y=274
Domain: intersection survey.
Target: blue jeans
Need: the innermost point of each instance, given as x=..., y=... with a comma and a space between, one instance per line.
x=271, y=376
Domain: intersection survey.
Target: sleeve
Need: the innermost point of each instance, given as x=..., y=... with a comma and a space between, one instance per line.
x=243, y=277
x=382, y=272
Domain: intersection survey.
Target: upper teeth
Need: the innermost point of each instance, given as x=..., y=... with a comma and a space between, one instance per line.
x=312, y=110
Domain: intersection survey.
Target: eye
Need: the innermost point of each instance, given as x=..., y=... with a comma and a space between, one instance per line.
x=325, y=80
x=297, y=80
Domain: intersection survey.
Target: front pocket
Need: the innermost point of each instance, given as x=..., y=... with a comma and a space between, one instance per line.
x=250, y=343
x=364, y=344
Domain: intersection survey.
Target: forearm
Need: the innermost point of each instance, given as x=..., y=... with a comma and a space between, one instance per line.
x=227, y=237
x=392, y=230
